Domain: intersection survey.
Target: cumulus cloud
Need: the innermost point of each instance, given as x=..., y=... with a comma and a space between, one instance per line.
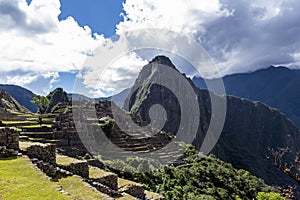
x=240, y=36
x=39, y=83
x=33, y=39
x=116, y=77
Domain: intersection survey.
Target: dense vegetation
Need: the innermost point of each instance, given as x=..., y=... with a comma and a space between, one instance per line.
x=195, y=176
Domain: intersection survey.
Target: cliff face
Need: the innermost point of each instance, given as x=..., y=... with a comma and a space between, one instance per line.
x=8, y=104
x=250, y=127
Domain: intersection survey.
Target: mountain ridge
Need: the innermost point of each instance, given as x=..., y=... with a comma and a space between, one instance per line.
x=9, y=104
x=277, y=87
x=22, y=95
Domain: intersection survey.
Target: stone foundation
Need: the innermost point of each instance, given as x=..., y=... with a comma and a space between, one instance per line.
x=80, y=169
x=9, y=142
x=137, y=191
x=104, y=189
x=110, y=180
x=43, y=152
x=45, y=167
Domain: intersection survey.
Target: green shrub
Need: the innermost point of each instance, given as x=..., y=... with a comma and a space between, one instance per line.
x=269, y=196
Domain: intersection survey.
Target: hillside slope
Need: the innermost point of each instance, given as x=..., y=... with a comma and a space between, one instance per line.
x=274, y=86
x=9, y=104
x=21, y=95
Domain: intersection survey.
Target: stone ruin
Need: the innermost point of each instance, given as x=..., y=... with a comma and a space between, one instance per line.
x=43, y=152
x=134, y=190
x=9, y=142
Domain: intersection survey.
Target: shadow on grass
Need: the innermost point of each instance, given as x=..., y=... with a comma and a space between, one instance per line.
x=9, y=158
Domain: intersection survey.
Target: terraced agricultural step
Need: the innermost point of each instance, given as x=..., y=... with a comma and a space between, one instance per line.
x=46, y=135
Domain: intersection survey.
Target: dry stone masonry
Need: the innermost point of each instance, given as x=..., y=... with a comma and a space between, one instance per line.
x=9, y=142
x=134, y=190
x=79, y=168
x=43, y=152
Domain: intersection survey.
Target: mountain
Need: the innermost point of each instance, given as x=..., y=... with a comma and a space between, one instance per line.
x=76, y=96
x=274, y=86
x=9, y=104
x=58, y=98
x=250, y=128
x=22, y=95
x=118, y=99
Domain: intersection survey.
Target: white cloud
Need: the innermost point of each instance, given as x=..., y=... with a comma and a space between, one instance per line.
x=240, y=36
x=39, y=83
x=188, y=17
x=33, y=39
x=116, y=76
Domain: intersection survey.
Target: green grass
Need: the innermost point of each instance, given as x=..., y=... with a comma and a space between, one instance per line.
x=17, y=122
x=122, y=182
x=37, y=126
x=66, y=161
x=79, y=190
x=36, y=139
x=98, y=173
x=20, y=180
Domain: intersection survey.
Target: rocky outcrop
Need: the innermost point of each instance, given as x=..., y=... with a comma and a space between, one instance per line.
x=250, y=127
x=9, y=142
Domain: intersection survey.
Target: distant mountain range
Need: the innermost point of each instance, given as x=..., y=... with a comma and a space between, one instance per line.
x=118, y=99
x=22, y=95
x=278, y=87
x=8, y=104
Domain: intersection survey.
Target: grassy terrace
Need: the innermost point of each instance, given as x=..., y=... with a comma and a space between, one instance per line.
x=97, y=173
x=122, y=182
x=37, y=126
x=24, y=145
x=19, y=179
x=65, y=160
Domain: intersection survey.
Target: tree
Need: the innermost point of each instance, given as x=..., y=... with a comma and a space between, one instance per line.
x=42, y=103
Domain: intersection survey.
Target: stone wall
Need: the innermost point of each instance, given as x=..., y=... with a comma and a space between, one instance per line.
x=110, y=180
x=45, y=167
x=104, y=189
x=43, y=152
x=79, y=168
x=9, y=142
x=134, y=190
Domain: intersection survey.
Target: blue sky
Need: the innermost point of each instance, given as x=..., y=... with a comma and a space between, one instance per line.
x=44, y=43
x=100, y=15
